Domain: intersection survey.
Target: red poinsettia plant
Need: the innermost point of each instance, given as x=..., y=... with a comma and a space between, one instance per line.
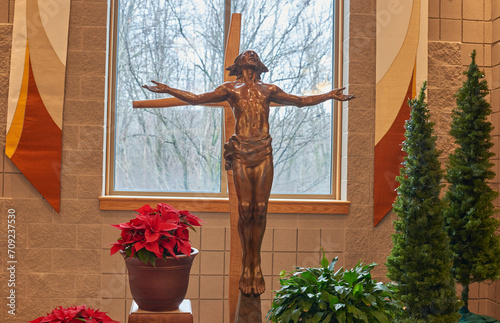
x=75, y=314
x=156, y=233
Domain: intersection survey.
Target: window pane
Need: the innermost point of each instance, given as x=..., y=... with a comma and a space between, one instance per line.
x=294, y=39
x=179, y=43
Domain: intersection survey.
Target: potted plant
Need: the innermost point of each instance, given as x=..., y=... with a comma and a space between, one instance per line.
x=323, y=295
x=74, y=314
x=158, y=255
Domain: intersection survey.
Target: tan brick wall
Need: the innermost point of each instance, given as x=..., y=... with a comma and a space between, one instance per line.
x=362, y=240
x=456, y=27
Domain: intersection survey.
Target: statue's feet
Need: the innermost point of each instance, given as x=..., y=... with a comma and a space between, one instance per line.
x=252, y=284
x=259, y=285
x=246, y=285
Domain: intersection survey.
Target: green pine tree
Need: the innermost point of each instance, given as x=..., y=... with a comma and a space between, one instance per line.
x=420, y=260
x=469, y=217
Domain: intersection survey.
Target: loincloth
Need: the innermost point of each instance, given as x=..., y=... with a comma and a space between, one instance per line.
x=249, y=152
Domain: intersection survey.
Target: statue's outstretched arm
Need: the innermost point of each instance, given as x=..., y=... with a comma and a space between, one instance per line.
x=218, y=95
x=281, y=97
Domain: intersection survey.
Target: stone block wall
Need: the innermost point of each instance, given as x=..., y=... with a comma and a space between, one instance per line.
x=456, y=28
x=363, y=241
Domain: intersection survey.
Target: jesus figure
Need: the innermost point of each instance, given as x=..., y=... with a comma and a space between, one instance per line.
x=248, y=153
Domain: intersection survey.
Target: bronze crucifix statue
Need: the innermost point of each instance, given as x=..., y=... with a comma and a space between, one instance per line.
x=248, y=153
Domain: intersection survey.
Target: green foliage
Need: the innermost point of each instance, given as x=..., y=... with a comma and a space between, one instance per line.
x=420, y=260
x=322, y=295
x=469, y=217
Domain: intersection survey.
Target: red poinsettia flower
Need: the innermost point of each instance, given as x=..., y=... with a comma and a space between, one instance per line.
x=193, y=220
x=74, y=314
x=156, y=233
x=146, y=209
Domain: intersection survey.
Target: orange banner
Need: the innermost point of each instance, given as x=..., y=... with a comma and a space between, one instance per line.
x=401, y=67
x=36, y=93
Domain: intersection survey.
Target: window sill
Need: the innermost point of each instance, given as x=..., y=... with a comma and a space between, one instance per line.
x=222, y=204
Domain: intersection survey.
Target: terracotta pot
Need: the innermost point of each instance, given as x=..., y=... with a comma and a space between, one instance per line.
x=160, y=288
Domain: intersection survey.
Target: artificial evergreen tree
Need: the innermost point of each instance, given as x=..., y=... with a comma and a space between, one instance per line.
x=420, y=260
x=469, y=215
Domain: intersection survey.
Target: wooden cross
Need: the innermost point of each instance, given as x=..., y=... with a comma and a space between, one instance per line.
x=231, y=52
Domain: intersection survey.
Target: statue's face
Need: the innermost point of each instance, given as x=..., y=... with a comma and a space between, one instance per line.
x=250, y=58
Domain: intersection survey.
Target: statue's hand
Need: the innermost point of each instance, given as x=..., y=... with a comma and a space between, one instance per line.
x=159, y=88
x=338, y=95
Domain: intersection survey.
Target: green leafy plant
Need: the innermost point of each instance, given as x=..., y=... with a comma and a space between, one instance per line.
x=323, y=295
x=420, y=260
x=469, y=217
